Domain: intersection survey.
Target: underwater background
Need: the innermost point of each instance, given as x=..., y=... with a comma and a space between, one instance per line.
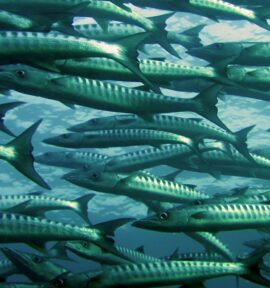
x=235, y=112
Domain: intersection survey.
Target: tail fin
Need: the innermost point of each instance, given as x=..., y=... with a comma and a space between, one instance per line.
x=4, y=108
x=241, y=144
x=254, y=263
x=194, y=33
x=82, y=206
x=129, y=60
x=23, y=159
x=206, y=105
x=161, y=35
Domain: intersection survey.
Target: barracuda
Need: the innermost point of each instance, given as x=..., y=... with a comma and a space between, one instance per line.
x=174, y=272
x=212, y=243
x=188, y=38
x=38, y=204
x=31, y=47
x=242, y=53
x=101, y=11
x=209, y=217
x=199, y=256
x=139, y=185
x=146, y=158
x=235, y=164
x=118, y=138
x=18, y=228
x=18, y=152
x=35, y=267
x=213, y=9
x=93, y=252
x=107, y=96
x=4, y=108
x=189, y=127
x=250, y=77
x=208, y=240
x=161, y=72
x=72, y=159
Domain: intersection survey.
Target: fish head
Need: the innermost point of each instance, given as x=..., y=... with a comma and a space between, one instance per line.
x=69, y=140
x=32, y=264
x=108, y=122
x=24, y=78
x=172, y=220
x=217, y=51
x=83, y=247
x=94, y=179
x=236, y=73
x=58, y=158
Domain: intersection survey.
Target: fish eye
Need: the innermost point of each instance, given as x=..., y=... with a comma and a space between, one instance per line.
x=59, y=283
x=163, y=216
x=93, y=121
x=66, y=136
x=218, y=45
x=85, y=244
x=36, y=259
x=198, y=202
x=20, y=73
x=94, y=175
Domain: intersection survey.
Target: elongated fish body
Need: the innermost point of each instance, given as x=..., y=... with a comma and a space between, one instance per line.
x=242, y=53
x=112, y=97
x=26, y=47
x=190, y=127
x=138, y=186
x=12, y=21
x=18, y=45
x=211, y=218
x=188, y=38
x=94, y=252
x=17, y=228
x=146, y=158
x=99, y=9
x=200, y=256
x=117, y=138
x=212, y=243
x=165, y=273
x=72, y=159
x=157, y=71
x=38, y=204
x=7, y=268
x=249, y=76
x=35, y=267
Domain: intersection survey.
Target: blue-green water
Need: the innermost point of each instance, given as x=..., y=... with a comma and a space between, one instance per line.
x=236, y=112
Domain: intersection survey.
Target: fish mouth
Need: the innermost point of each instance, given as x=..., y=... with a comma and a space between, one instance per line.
x=51, y=141
x=15, y=258
x=143, y=224
x=75, y=128
x=199, y=53
x=71, y=177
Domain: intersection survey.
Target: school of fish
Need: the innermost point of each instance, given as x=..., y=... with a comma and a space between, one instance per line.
x=47, y=52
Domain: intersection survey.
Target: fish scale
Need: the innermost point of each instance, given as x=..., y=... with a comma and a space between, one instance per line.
x=15, y=228
x=117, y=138
x=165, y=273
x=146, y=158
x=181, y=193
x=112, y=97
x=160, y=71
